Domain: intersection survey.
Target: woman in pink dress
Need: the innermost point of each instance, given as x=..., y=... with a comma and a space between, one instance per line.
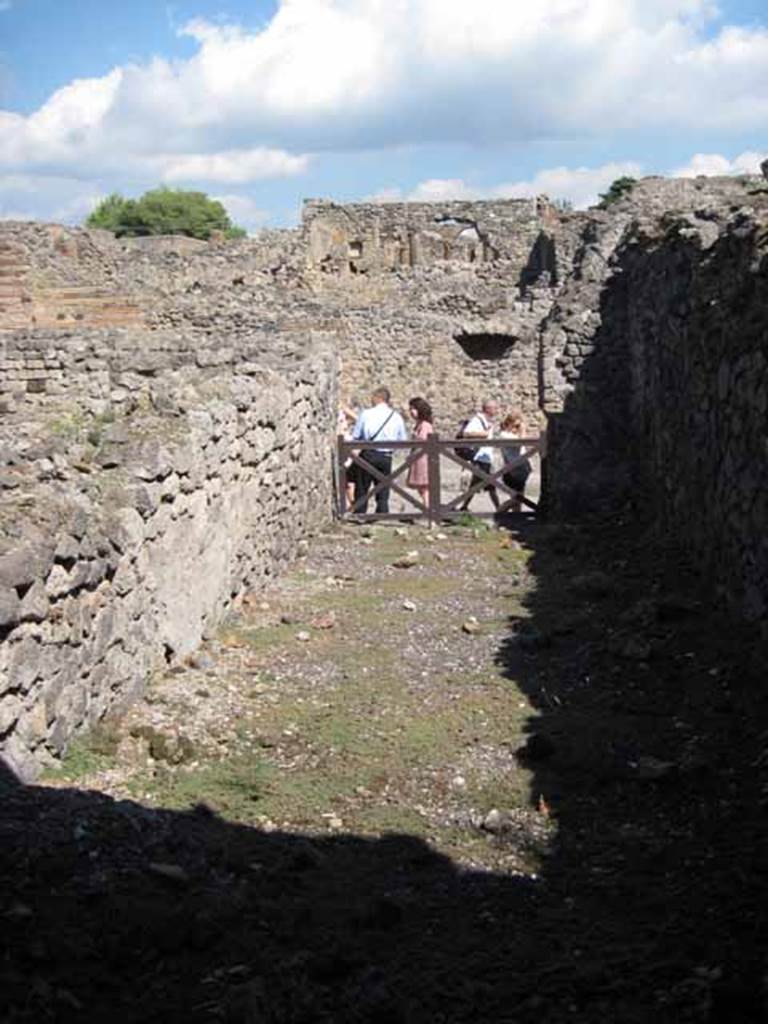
x=418, y=473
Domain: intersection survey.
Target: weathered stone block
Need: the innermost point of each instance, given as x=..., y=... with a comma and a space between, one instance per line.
x=10, y=607
x=35, y=604
x=24, y=565
x=25, y=664
x=32, y=726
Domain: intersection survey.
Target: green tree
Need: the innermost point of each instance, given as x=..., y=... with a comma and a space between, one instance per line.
x=164, y=211
x=109, y=214
x=618, y=189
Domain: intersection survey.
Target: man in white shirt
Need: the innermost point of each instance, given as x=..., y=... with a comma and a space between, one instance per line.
x=378, y=423
x=481, y=426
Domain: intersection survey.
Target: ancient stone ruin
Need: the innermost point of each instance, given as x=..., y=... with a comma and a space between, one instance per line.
x=167, y=407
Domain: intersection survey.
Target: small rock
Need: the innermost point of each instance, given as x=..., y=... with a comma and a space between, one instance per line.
x=407, y=561
x=302, y=549
x=202, y=661
x=409, y=606
x=19, y=912
x=326, y=621
x=635, y=649
x=651, y=769
x=289, y=619
x=459, y=782
x=401, y=532
x=303, y=636
x=335, y=822
x=471, y=626
x=441, y=557
x=494, y=822
x=441, y=536
x=170, y=872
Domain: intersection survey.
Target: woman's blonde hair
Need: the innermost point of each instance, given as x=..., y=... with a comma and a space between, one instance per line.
x=513, y=420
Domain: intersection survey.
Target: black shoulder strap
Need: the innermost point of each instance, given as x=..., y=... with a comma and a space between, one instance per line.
x=386, y=421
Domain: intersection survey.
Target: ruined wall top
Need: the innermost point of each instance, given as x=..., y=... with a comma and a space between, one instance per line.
x=369, y=238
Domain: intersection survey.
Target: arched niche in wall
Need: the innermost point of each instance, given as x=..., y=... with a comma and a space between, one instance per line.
x=485, y=347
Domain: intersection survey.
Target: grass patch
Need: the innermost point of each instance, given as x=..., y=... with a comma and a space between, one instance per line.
x=379, y=819
x=234, y=787
x=505, y=794
x=91, y=752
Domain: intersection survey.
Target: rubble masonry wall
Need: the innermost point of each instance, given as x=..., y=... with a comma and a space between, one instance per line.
x=122, y=551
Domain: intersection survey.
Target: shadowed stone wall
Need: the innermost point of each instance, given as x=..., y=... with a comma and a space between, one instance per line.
x=657, y=374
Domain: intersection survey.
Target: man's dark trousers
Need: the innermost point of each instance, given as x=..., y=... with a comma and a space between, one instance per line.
x=365, y=481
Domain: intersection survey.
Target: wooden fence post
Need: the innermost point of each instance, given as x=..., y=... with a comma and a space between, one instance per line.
x=433, y=478
x=341, y=458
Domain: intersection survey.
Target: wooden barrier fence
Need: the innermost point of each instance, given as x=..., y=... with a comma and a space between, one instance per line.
x=436, y=451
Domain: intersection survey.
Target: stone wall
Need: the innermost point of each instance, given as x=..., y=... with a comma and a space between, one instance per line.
x=456, y=322
x=657, y=390
x=552, y=312
x=42, y=370
x=697, y=312
x=373, y=238
x=442, y=300
x=454, y=360
x=125, y=538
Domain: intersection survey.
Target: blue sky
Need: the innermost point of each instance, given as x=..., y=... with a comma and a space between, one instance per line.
x=264, y=103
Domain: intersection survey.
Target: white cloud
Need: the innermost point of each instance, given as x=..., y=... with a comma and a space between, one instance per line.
x=336, y=75
x=709, y=164
x=581, y=186
x=243, y=211
x=233, y=167
x=333, y=74
x=55, y=199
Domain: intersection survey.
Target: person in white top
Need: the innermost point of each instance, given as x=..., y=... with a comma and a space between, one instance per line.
x=481, y=426
x=382, y=423
x=516, y=475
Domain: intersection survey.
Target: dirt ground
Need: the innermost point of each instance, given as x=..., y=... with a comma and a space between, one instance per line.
x=462, y=776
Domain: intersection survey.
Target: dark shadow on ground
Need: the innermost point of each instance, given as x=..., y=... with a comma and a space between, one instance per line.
x=651, y=752
x=650, y=907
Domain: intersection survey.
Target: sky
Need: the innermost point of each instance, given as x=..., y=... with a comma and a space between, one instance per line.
x=263, y=103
